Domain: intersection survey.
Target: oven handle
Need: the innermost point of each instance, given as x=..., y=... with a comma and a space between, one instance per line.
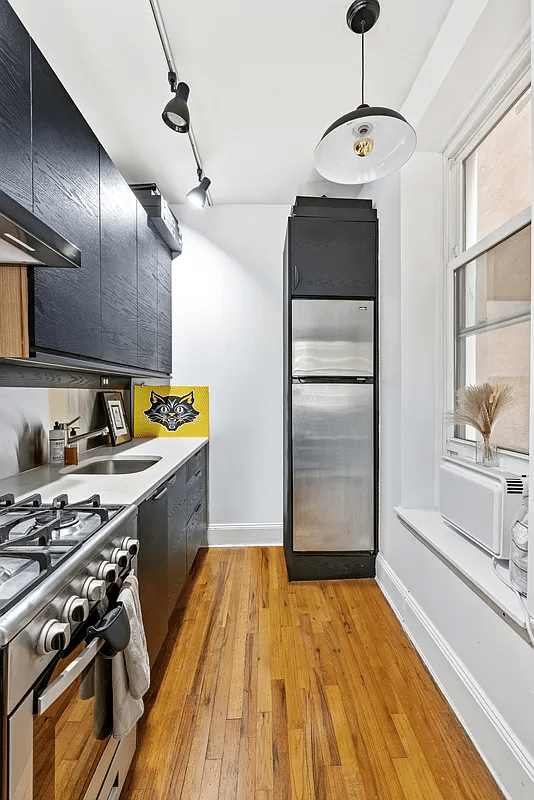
x=68, y=676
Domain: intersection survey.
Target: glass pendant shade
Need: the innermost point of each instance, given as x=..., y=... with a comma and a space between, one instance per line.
x=176, y=112
x=365, y=145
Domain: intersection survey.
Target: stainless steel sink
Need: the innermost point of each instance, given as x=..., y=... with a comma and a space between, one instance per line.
x=114, y=466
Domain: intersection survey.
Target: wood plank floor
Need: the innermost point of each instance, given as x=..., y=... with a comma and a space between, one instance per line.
x=307, y=691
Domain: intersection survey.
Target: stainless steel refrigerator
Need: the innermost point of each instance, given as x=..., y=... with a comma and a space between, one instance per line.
x=333, y=436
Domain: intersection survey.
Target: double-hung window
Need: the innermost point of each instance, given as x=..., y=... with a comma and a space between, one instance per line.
x=490, y=265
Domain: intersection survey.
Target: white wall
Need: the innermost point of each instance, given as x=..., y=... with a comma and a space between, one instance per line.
x=227, y=334
x=483, y=665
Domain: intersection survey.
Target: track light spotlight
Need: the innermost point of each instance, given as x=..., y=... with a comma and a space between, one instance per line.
x=176, y=113
x=198, y=196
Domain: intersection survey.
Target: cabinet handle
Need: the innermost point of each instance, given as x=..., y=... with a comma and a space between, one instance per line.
x=296, y=277
x=161, y=494
x=172, y=481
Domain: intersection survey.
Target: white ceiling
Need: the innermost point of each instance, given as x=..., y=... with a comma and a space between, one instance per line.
x=266, y=79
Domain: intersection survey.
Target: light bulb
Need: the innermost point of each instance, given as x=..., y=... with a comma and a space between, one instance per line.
x=363, y=146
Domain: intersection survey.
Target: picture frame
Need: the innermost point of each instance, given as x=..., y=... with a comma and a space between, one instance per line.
x=118, y=424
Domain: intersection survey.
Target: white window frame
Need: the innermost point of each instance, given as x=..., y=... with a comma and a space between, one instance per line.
x=485, y=114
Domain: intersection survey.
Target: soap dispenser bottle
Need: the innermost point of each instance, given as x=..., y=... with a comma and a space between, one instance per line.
x=71, y=450
x=57, y=440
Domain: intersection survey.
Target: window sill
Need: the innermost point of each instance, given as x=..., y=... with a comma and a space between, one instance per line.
x=472, y=564
x=514, y=462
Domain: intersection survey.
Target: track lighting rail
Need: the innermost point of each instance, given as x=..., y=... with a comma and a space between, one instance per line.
x=171, y=66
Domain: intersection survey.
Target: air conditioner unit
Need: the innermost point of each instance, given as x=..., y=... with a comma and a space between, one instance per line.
x=480, y=502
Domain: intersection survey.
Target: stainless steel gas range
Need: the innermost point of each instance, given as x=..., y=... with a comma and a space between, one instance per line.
x=61, y=567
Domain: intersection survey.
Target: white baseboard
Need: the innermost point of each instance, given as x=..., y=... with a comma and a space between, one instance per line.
x=251, y=535
x=505, y=756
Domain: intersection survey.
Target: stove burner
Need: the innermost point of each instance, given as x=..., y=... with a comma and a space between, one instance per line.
x=36, y=537
x=60, y=518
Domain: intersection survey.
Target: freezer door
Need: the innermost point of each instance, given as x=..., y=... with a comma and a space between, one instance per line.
x=332, y=338
x=333, y=471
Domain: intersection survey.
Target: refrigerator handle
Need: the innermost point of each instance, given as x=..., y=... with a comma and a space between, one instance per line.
x=296, y=277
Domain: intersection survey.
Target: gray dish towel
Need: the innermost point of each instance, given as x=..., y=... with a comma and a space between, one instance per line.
x=130, y=670
x=118, y=684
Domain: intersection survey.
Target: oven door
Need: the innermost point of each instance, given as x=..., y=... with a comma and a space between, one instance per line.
x=54, y=752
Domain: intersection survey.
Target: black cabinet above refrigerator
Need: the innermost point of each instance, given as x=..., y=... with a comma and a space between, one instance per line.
x=332, y=256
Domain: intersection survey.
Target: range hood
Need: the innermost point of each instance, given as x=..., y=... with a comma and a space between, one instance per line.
x=25, y=239
x=161, y=215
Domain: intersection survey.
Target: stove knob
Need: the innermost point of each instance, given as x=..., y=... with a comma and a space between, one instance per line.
x=54, y=636
x=120, y=557
x=76, y=609
x=107, y=571
x=94, y=589
x=131, y=545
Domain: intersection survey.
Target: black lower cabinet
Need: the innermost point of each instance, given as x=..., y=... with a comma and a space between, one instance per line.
x=197, y=530
x=172, y=525
x=176, y=540
x=195, y=487
x=152, y=567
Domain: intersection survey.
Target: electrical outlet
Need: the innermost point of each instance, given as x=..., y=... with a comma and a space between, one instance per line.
x=104, y=380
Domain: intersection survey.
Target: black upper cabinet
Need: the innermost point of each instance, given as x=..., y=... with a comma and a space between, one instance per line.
x=147, y=278
x=66, y=197
x=332, y=258
x=15, y=107
x=116, y=308
x=118, y=223
x=164, y=309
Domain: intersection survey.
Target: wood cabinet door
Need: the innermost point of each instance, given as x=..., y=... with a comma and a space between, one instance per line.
x=147, y=287
x=332, y=258
x=164, y=309
x=66, y=197
x=15, y=108
x=118, y=233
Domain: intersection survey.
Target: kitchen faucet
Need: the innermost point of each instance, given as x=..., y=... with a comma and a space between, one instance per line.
x=79, y=437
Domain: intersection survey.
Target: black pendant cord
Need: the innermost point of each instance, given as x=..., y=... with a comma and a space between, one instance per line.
x=363, y=59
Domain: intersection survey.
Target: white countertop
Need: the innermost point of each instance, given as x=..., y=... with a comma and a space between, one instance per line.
x=113, y=489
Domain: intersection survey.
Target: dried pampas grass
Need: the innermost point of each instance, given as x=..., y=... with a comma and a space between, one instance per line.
x=481, y=406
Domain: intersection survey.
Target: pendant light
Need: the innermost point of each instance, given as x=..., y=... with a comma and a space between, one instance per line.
x=199, y=195
x=372, y=141
x=176, y=113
